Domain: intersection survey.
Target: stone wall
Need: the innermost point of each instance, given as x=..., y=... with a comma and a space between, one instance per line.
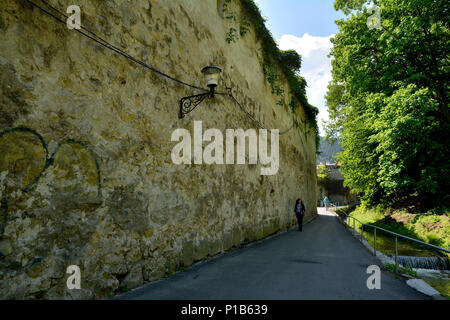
x=86, y=176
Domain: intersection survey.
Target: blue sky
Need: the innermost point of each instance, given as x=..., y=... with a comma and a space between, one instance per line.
x=306, y=26
x=298, y=17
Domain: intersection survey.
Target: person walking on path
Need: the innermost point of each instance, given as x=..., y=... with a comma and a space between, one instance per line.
x=326, y=201
x=299, y=210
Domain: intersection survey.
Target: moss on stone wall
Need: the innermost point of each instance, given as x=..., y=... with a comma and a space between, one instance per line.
x=274, y=56
x=86, y=176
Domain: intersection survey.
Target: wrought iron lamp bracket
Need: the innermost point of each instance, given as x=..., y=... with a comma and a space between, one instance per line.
x=188, y=104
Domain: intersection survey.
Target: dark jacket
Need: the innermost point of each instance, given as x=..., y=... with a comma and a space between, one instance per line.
x=302, y=212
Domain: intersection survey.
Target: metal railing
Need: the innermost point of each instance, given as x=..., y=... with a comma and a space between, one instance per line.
x=396, y=236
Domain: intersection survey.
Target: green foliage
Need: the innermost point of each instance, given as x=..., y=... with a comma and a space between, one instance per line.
x=407, y=270
x=323, y=176
x=231, y=35
x=228, y=14
x=291, y=59
x=411, y=161
x=244, y=23
x=336, y=107
x=425, y=226
x=433, y=229
x=276, y=63
x=344, y=211
x=273, y=78
x=244, y=26
x=293, y=105
x=348, y=5
x=369, y=214
x=388, y=101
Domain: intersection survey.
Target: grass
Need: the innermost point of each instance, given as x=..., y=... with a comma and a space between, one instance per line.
x=391, y=268
x=441, y=285
x=432, y=227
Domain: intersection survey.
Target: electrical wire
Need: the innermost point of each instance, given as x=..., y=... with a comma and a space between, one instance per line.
x=106, y=44
x=93, y=36
x=256, y=122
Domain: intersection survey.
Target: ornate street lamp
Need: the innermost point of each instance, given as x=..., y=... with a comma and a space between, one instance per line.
x=187, y=104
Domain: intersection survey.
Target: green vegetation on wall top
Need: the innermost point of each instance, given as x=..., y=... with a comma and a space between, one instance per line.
x=274, y=59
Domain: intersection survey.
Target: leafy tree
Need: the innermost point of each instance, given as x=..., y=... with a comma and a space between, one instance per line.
x=347, y=5
x=291, y=59
x=388, y=100
x=323, y=176
x=411, y=159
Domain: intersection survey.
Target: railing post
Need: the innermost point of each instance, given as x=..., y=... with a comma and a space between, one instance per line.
x=396, y=235
x=375, y=242
x=396, y=256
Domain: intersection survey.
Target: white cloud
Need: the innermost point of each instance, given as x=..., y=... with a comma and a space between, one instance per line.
x=316, y=67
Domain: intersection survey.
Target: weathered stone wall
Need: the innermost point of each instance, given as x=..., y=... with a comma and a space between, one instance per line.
x=86, y=176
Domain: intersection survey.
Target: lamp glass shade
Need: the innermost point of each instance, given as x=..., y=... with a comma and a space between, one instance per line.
x=212, y=74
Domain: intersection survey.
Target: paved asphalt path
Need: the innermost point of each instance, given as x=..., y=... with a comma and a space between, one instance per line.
x=322, y=262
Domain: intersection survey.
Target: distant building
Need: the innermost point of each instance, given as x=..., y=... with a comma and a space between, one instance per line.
x=335, y=190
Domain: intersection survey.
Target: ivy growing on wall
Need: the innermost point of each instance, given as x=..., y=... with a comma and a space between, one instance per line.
x=244, y=22
x=274, y=79
x=276, y=62
x=231, y=35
